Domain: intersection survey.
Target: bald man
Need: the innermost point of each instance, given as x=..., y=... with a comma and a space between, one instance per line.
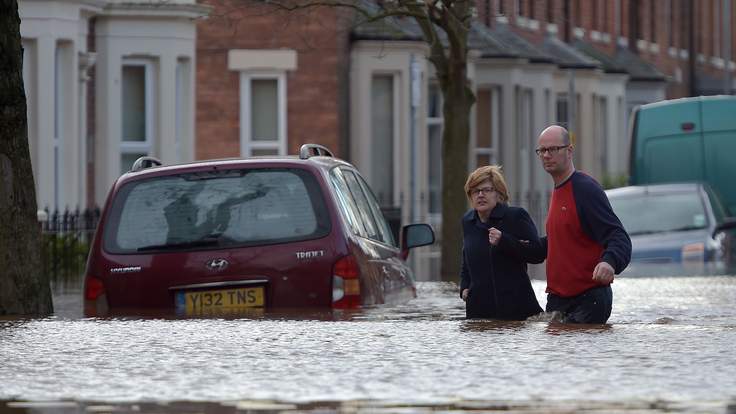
x=586, y=243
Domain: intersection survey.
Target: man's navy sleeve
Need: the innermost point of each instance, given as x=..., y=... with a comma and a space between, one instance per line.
x=523, y=228
x=600, y=223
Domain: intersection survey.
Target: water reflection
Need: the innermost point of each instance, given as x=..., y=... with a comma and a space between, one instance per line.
x=491, y=326
x=668, y=346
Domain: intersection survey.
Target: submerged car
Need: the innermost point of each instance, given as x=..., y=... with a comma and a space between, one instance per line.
x=224, y=236
x=675, y=229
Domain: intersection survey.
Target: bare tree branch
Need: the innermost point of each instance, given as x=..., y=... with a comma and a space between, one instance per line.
x=370, y=16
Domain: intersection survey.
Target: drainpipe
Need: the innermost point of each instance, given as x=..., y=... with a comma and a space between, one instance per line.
x=488, y=13
x=571, y=106
x=566, y=21
x=616, y=21
x=634, y=26
x=727, y=44
x=416, y=97
x=691, y=48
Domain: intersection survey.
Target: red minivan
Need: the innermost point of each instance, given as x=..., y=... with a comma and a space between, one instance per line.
x=226, y=236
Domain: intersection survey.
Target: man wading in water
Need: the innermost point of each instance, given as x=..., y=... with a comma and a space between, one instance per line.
x=586, y=243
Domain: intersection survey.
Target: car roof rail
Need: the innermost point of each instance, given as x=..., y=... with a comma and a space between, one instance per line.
x=311, y=150
x=145, y=162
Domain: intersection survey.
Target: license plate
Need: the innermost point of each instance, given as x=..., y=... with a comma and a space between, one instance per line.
x=219, y=300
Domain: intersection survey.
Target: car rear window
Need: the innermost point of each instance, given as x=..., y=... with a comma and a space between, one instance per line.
x=656, y=212
x=216, y=209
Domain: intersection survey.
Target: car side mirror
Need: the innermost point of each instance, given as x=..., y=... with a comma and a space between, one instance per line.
x=728, y=224
x=415, y=235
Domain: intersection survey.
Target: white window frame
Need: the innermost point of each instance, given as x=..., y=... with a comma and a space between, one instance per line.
x=435, y=218
x=524, y=138
x=60, y=96
x=145, y=146
x=717, y=20
x=495, y=115
x=181, y=104
x=247, y=144
x=601, y=125
x=396, y=179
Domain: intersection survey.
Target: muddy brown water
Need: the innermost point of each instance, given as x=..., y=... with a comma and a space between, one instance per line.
x=670, y=346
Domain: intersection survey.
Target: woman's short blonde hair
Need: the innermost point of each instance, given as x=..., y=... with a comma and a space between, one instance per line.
x=492, y=173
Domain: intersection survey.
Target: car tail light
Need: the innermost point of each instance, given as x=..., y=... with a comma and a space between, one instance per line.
x=693, y=252
x=345, y=283
x=93, y=288
x=95, y=299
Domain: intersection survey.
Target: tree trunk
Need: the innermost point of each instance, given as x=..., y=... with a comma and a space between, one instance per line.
x=23, y=288
x=459, y=98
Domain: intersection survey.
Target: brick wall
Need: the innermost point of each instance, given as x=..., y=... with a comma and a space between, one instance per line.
x=648, y=20
x=316, y=90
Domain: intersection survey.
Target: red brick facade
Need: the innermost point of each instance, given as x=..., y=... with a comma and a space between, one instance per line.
x=316, y=91
x=658, y=30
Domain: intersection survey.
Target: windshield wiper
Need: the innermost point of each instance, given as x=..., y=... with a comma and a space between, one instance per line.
x=642, y=232
x=205, y=241
x=686, y=228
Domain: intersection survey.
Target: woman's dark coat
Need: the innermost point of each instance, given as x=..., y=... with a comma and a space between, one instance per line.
x=497, y=275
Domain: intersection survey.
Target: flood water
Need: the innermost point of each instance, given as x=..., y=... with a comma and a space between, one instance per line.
x=670, y=346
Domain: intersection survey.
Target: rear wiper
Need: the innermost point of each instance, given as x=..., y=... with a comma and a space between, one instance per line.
x=205, y=241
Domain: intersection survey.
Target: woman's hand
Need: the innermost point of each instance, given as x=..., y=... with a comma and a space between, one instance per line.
x=464, y=295
x=494, y=236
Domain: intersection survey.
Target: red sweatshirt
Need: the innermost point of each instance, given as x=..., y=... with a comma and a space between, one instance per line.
x=582, y=231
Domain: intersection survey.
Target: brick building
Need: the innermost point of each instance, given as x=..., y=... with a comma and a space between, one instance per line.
x=109, y=81
x=692, y=42
x=269, y=81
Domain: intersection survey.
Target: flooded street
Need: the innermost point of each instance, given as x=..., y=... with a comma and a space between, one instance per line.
x=669, y=347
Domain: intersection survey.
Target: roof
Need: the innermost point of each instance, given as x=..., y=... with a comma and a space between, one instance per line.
x=608, y=63
x=506, y=43
x=687, y=99
x=566, y=56
x=481, y=38
x=280, y=161
x=388, y=28
x=707, y=84
x=497, y=43
x=638, y=68
x=666, y=188
x=502, y=42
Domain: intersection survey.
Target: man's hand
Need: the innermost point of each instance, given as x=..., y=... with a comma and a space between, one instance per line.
x=464, y=295
x=603, y=273
x=494, y=236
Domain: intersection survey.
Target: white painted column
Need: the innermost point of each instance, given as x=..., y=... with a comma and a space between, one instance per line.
x=165, y=114
x=585, y=138
x=44, y=168
x=186, y=143
x=30, y=71
x=69, y=145
x=508, y=134
x=541, y=110
x=86, y=61
x=108, y=119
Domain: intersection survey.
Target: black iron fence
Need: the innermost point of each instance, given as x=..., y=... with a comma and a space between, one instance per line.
x=66, y=241
x=536, y=204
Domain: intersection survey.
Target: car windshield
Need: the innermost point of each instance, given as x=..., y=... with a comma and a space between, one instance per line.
x=216, y=209
x=656, y=212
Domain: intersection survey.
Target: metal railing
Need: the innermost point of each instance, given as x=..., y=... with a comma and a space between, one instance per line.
x=66, y=239
x=536, y=203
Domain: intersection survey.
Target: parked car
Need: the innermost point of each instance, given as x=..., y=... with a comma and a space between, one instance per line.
x=224, y=236
x=675, y=229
